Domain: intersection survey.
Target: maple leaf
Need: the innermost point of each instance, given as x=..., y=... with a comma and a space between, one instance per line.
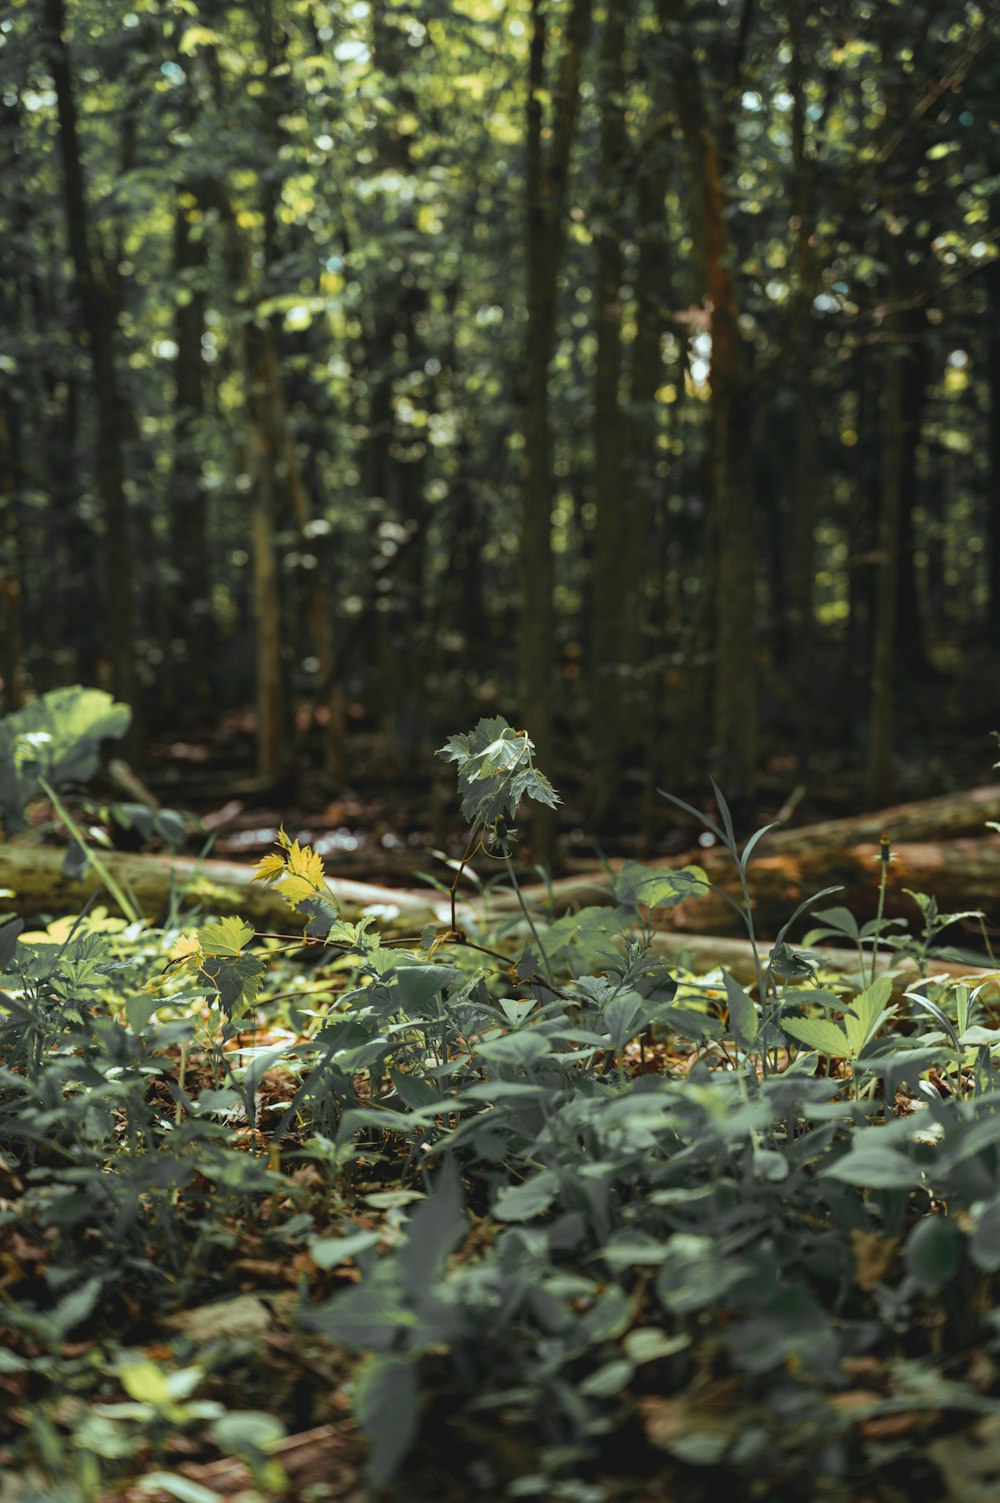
x=227, y=936
x=269, y=868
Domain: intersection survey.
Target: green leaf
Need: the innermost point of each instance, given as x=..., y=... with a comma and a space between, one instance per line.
x=226, y=936
x=57, y=738
x=247, y=1432
x=237, y=980
x=435, y=1229
x=10, y=930
x=520, y=1050
x=932, y=1252
x=625, y=1017
x=742, y=1013
x=179, y=1487
x=867, y=1013
x=525, y=1201
x=638, y=886
x=818, y=1033
x=875, y=1166
x=386, y=1402
x=146, y=1383
x=984, y=1245
x=139, y=1010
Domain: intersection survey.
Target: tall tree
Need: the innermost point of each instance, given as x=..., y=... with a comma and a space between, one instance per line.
x=547, y=164
x=95, y=283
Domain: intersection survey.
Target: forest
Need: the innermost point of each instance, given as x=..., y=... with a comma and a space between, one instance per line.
x=597, y=1103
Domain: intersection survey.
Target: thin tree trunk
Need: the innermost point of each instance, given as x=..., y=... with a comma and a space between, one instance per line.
x=189, y=614
x=993, y=505
x=910, y=629
x=547, y=174
x=887, y=573
x=732, y=528
x=10, y=572
x=98, y=312
x=615, y=588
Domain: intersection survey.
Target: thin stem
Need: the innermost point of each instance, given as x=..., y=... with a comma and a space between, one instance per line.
x=127, y=907
x=530, y=921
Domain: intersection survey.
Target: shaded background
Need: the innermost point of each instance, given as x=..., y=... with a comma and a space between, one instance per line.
x=630, y=369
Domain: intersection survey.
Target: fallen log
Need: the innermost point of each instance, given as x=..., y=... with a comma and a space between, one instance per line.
x=32, y=882
x=930, y=819
x=960, y=874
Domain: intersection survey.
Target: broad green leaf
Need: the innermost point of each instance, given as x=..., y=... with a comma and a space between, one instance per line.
x=521, y=1050
x=419, y=982
x=658, y=887
x=866, y=1014
x=984, y=1245
x=247, y=1431
x=434, y=1231
x=146, y=1383
x=237, y=980
x=10, y=930
x=742, y=1012
x=625, y=1018
x=386, y=1402
x=525, y=1201
x=875, y=1166
x=225, y=936
x=932, y=1252
x=179, y=1487
x=328, y=1252
x=57, y=738
x=818, y=1033
x=648, y=1344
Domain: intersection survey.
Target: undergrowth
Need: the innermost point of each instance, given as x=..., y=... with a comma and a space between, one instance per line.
x=519, y=1207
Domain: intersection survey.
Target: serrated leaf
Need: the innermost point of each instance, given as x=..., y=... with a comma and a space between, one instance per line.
x=236, y=978
x=269, y=867
x=226, y=936
x=867, y=1012
x=818, y=1033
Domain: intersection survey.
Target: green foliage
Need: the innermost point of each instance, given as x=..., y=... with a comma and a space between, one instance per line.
x=57, y=738
x=446, y=1147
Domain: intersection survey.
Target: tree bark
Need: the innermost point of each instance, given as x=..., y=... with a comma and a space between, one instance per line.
x=615, y=588
x=546, y=187
x=993, y=504
x=97, y=299
x=734, y=605
x=887, y=573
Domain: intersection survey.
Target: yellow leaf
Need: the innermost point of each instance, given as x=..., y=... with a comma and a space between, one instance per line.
x=268, y=868
x=303, y=862
x=144, y=1382
x=294, y=889
x=187, y=945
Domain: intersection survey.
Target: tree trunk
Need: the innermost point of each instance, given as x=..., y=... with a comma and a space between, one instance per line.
x=615, y=588
x=910, y=632
x=993, y=482
x=734, y=603
x=546, y=189
x=887, y=575
x=10, y=572
x=189, y=613
x=98, y=312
